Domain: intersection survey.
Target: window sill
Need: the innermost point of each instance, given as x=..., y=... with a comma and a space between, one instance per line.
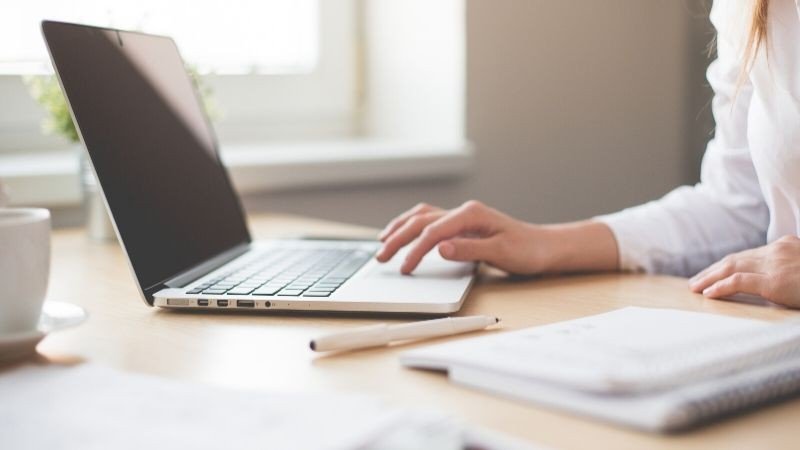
x=51, y=179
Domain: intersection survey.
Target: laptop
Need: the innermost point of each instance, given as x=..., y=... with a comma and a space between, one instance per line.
x=176, y=214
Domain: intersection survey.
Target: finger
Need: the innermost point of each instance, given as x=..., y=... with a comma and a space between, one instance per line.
x=721, y=270
x=453, y=224
x=712, y=268
x=747, y=254
x=398, y=221
x=468, y=249
x=738, y=283
x=406, y=233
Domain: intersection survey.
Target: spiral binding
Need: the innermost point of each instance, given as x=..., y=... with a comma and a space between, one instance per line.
x=760, y=387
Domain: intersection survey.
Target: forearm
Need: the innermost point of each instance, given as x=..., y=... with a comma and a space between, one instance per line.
x=585, y=246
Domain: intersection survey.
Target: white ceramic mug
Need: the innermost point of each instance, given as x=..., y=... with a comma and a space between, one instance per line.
x=24, y=267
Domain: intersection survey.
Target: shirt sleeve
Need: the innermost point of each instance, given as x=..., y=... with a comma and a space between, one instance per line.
x=695, y=226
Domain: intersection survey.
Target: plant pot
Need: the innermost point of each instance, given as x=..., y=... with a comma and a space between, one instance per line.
x=98, y=222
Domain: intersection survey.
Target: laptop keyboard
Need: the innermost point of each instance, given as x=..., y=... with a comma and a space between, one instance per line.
x=289, y=272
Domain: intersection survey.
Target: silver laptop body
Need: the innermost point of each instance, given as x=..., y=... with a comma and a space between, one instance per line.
x=344, y=277
x=174, y=209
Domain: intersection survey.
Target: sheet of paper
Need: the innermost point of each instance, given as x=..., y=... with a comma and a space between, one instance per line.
x=91, y=407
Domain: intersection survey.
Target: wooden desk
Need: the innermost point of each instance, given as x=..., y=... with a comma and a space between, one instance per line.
x=271, y=352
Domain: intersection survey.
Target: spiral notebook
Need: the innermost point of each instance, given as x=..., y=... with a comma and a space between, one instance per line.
x=653, y=369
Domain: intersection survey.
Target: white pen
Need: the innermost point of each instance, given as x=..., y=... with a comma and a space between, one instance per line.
x=382, y=334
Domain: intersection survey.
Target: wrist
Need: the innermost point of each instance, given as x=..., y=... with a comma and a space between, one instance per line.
x=586, y=246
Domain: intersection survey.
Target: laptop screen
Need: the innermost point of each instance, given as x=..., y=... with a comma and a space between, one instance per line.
x=152, y=148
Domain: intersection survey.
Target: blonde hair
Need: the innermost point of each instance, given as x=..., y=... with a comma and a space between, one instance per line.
x=756, y=33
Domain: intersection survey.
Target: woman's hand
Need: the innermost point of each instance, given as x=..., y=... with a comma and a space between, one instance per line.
x=475, y=232
x=471, y=232
x=771, y=272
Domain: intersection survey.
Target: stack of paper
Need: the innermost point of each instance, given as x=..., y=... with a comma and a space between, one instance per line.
x=656, y=369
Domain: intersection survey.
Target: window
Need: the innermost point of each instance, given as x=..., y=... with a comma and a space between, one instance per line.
x=311, y=92
x=279, y=69
x=222, y=36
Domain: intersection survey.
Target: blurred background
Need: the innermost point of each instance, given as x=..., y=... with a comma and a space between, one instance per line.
x=354, y=110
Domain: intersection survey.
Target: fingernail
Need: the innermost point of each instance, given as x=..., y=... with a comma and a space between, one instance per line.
x=447, y=249
x=707, y=291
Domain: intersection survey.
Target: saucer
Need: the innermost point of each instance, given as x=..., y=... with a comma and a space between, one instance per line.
x=55, y=316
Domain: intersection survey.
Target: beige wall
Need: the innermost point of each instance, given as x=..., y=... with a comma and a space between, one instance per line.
x=575, y=108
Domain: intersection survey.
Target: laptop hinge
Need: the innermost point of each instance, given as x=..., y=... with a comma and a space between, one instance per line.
x=209, y=265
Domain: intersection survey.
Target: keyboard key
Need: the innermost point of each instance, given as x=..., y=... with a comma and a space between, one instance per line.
x=225, y=286
x=319, y=290
x=240, y=291
x=214, y=291
x=196, y=290
x=291, y=292
x=267, y=290
x=317, y=294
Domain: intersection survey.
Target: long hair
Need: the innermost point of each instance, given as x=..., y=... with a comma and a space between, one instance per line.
x=756, y=33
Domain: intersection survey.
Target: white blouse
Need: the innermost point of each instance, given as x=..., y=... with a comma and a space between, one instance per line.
x=749, y=193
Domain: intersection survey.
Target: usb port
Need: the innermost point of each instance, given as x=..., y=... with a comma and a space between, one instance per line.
x=222, y=303
x=245, y=303
x=202, y=302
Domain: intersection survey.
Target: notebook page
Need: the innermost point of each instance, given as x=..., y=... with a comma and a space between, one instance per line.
x=589, y=353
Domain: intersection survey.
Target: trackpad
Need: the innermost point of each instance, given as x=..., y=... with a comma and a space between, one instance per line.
x=432, y=266
x=434, y=280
